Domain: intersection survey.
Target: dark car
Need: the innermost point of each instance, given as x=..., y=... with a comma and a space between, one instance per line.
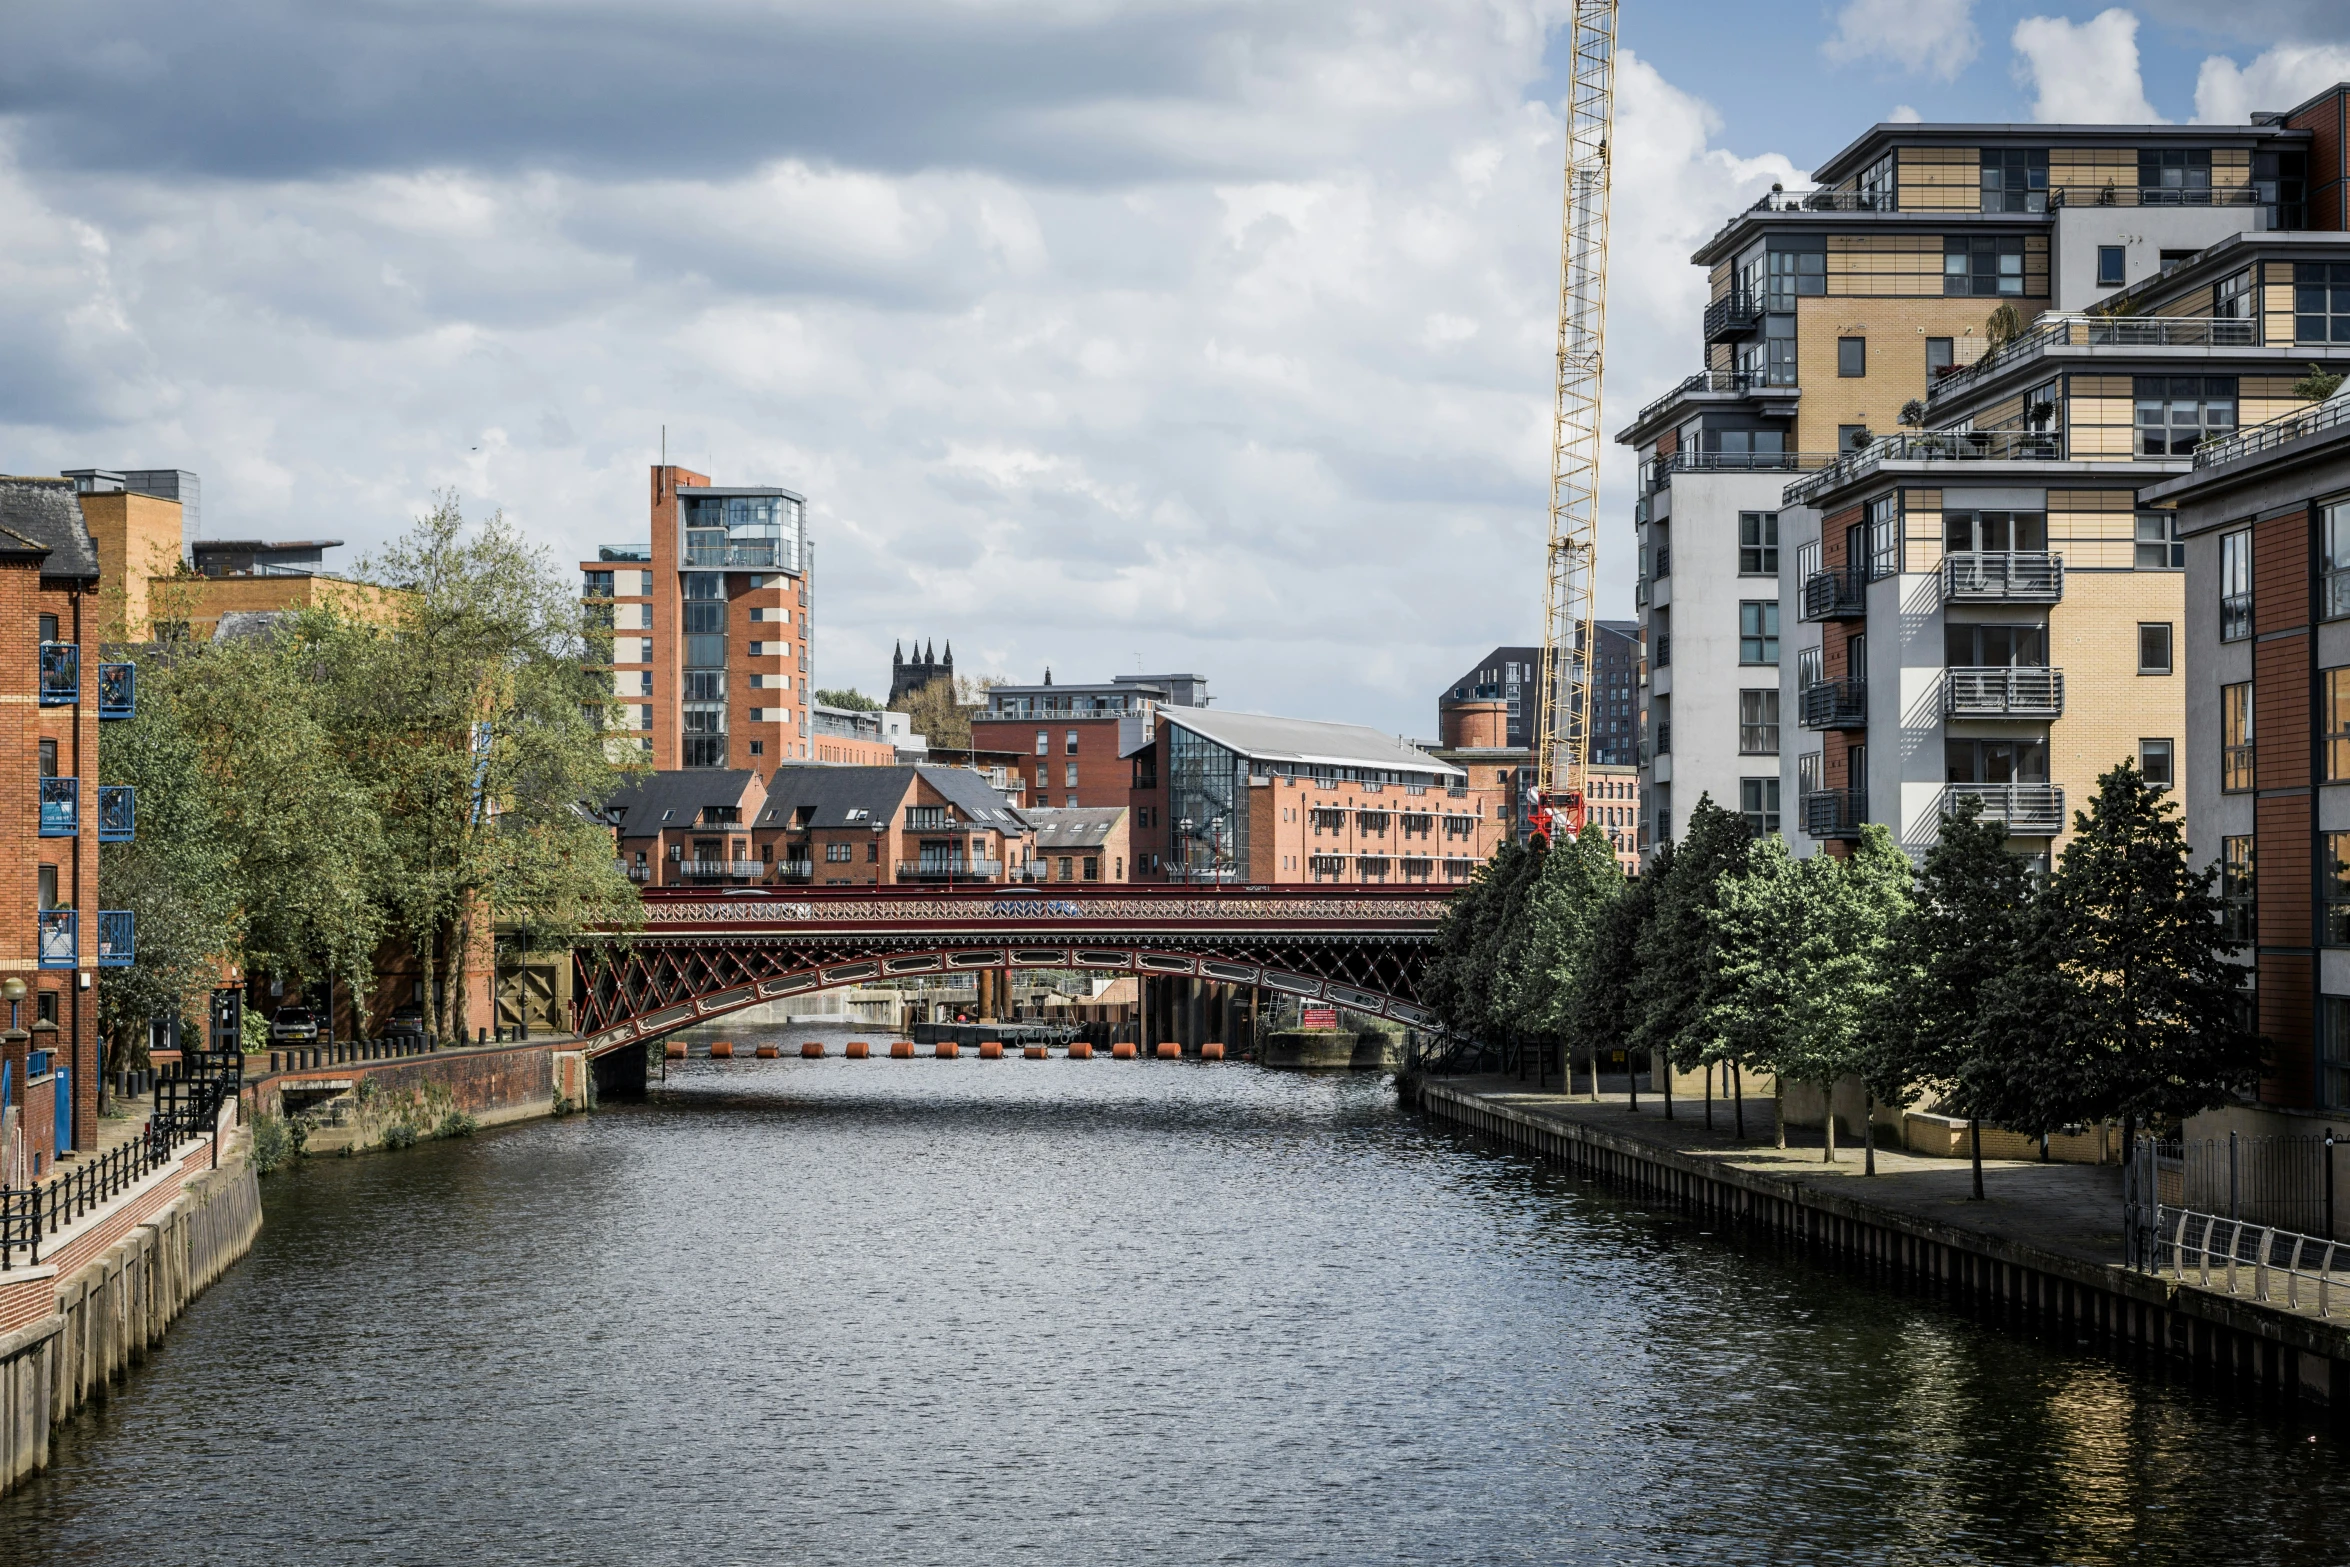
x=405, y=1021
x=294, y=1026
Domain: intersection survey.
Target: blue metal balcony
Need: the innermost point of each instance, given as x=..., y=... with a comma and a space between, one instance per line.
x=118, y=813
x=61, y=807
x=61, y=674
x=117, y=938
x=60, y=938
x=118, y=690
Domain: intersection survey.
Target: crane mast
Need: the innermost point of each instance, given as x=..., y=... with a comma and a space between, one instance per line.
x=1563, y=734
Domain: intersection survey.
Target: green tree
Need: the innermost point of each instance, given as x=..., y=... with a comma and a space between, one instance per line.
x=1676, y=977
x=1844, y=967
x=850, y=698
x=2319, y=384
x=1603, y=1009
x=1574, y=883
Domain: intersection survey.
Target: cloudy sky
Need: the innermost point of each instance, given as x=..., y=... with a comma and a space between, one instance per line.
x=1209, y=335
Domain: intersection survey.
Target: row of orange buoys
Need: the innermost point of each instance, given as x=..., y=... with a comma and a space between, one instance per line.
x=948, y=1050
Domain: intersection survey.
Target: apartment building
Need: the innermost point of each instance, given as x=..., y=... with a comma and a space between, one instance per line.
x=1872, y=304
x=1508, y=676
x=1071, y=744
x=1081, y=844
x=889, y=826
x=2263, y=517
x=61, y=694
x=712, y=623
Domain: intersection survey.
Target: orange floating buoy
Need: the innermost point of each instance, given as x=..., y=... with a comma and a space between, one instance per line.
x=856, y=1050
x=1123, y=1050
x=722, y=1050
x=674, y=1050
x=1170, y=1051
x=1032, y=1052
x=1081, y=1051
x=901, y=1050
x=766, y=1052
x=813, y=1050
x=947, y=1050
x=1211, y=1051
x=991, y=1050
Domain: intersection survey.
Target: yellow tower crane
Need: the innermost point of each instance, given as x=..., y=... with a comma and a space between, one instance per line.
x=1563, y=733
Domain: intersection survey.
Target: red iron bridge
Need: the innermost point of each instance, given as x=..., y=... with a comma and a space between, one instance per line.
x=705, y=952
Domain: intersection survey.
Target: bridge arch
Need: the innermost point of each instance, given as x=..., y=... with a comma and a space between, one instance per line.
x=703, y=955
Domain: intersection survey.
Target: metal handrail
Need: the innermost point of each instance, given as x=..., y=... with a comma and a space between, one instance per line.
x=721, y=867
x=1930, y=446
x=1834, y=813
x=2002, y=691
x=2233, y=1247
x=2153, y=196
x=2096, y=331
x=1840, y=703
x=1835, y=593
x=2276, y=432
x=2029, y=810
x=2027, y=576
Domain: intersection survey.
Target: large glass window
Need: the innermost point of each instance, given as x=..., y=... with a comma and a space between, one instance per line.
x=1986, y=265
x=1995, y=647
x=2333, y=564
x=2335, y=736
x=1758, y=802
x=1884, y=537
x=2015, y=179
x=2174, y=176
x=742, y=532
x=2235, y=585
x=1778, y=368
x=2281, y=182
x=2321, y=302
x=2177, y=413
x=2333, y=880
x=2232, y=298
x=2235, y=737
x=1995, y=761
x=1790, y=273
x=2159, y=545
x=1995, y=532
x=1207, y=816
x=1758, y=544
x=2238, y=912
x=1758, y=631
x=1758, y=722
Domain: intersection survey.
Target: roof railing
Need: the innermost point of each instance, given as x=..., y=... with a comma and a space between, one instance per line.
x=2276, y=432
x=2097, y=331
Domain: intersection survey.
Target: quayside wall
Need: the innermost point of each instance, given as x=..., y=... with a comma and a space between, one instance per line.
x=2234, y=1341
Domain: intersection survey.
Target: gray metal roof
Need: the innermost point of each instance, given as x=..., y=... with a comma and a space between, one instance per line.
x=674, y=799
x=45, y=514
x=1306, y=742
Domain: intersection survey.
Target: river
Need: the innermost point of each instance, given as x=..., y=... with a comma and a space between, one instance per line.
x=1105, y=1312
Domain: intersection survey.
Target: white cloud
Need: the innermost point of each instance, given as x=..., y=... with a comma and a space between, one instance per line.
x=2283, y=78
x=1218, y=420
x=1903, y=114
x=1934, y=36
x=2084, y=72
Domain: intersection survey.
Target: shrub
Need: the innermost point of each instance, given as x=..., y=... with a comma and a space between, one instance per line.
x=273, y=1144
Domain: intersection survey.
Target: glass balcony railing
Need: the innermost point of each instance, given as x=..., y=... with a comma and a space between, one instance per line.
x=61, y=674
x=2002, y=691
x=59, y=938
x=61, y=807
x=118, y=813
x=117, y=938
x=118, y=690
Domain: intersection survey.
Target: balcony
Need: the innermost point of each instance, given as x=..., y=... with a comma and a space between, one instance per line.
x=117, y=938
x=1733, y=315
x=2275, y=432
x=2003, y=691
x=2154, y=196
x=719, y=870
x=2086, y=331
x=636, y=552
x=795, y=870
x=2028, y=810
x=1841, y=594
x=1835, y=813
x=1658, y=472
x=766, y=555
x=118, y=813
x=1834, y=704
x=59, y=938
x=118, y=690
x=2002, y=577
x=636, y=872
x=61, y=807
x=61, y=674
x=959, y=868
x=1930, y=446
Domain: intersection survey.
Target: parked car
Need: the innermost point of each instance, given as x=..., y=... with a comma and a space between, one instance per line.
x=405, y=1021
x=294, y=1026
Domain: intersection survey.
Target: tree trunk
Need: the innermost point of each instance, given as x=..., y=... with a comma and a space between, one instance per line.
x=1779, y=1106
x=1828, y=1122
x=1632, y=1081
x=1974, y=1128
x=1868, y=1128
x=1709, y=1096
x=1668, y=1089
x=1595, y=1072
x=431, y=1008
x=1738, y=1088
x=460, y=966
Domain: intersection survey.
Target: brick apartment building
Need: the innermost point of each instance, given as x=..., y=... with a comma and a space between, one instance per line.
x=1073, y=745
x=1080, y=843
x=1978, y=607
x=2264, y=517
x=53, y=680
x=712, y=623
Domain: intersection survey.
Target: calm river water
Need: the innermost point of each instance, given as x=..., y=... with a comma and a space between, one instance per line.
x=982, y=1312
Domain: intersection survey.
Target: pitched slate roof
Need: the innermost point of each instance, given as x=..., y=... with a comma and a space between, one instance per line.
x=1074, y=826
x=830, y=793
x=675, y=799
x=46, y=514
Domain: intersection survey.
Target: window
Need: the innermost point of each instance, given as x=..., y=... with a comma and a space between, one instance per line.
x=1758, y=802
x=2235, y=585
x=1995, y=532
x=1811, y=667
x=1884, y=537
x=758, y=748
x=1941, y=356
x=1093, y=868
x=2154, y=647
x=599, y=584
x=1063, y=864
x=1796, y=266
x=2154, y=760
x=2159, y=548
x=2333, y=565
x=1758, y=544
x=2112, y=261
x=1810, y=773
x=2280, y=181
x=2336, y=734
x=873, y=851
x=1069, y=778
x=2232, y=298
x=1851, y=437
x=1071, y=744
x=1758, y=631
x=1991, y=762
x=2174, y=177
x=2177, y=413
x=839, y=853
x=48, y=759
x=1852, y=356
x=2333, y=879
x=2235, y=737
x=1994, y=647
x=2237, y=910
x=2015, y=179
x=1986, y=265
x=48, y=886
x=2333, y=1052
x=1758, y=723
x=1044, y=743
x=48, y=628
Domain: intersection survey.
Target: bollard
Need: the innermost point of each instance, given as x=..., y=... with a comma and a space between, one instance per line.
x=1211, y=1051
x=856, y=1050
x=813, y=1050
x=1170, y=1051
x=947, y=1050
x=1032, y=1052
x=1123, y=1050
x=1081, y=1051
x=991, y=1050
x=673, y=1050
x=722, y=1050
x=901, y=1050
x=766, y=1052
